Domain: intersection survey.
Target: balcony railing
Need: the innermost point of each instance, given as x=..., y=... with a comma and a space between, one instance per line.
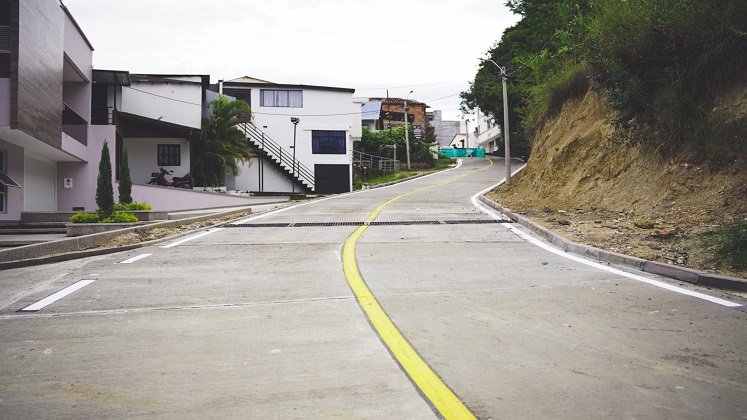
x=74, y=125
x=102, y=115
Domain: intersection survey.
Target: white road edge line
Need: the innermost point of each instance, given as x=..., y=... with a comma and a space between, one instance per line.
x=135, y=258
x=57, y=296
x=550, y=248
x=190, y=238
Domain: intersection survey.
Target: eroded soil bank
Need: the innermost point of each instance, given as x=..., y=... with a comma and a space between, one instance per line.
x=585, y=184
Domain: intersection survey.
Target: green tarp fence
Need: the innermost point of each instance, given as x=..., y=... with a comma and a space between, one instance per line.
x=451, y=152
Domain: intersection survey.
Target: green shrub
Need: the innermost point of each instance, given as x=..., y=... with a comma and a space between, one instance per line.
x=132, y=206
x=84, y=217
x=729, y=244
x=121, y=218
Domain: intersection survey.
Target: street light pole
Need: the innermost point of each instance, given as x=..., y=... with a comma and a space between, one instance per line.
x=295, y=121
x=407, y=134
x=507, y=143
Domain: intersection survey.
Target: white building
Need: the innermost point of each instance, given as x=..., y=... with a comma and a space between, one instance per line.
x=328, y=121
x=486, y=134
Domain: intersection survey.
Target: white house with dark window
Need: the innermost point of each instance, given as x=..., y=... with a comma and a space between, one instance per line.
x=302, y=136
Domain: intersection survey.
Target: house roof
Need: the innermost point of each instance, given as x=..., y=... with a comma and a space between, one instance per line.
x=253, y=81
x=246, y=79
x=163, y=78
x=371, y=110
x=112, y=77
x=133, y=125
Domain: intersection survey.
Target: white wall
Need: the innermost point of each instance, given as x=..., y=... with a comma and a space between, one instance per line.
x=39, y=184
x=171, y=102
x=248, y=178
x=142, y=157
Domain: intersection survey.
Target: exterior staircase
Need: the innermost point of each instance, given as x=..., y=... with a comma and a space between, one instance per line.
x=281, y=158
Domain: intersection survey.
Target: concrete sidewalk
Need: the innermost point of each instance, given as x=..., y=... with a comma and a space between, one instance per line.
x=47, y=248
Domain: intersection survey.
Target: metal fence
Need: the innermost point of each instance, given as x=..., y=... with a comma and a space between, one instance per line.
x=372, y=164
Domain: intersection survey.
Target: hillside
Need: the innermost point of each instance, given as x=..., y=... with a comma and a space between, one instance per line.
x=595, y=190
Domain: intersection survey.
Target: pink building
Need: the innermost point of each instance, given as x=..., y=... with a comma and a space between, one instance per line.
x=56, y=112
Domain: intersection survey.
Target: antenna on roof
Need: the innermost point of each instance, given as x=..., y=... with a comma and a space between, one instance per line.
x=387, y=93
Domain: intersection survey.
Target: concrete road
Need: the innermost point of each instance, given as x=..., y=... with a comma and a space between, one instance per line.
x=261, y=322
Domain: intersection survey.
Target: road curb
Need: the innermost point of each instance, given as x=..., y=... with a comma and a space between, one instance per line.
x=653, y=267
x=79, y=246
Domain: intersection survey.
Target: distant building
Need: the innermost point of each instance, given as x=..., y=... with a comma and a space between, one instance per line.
x=486, y=134
x=384, y=113
x=444, y=130
x=328, y=124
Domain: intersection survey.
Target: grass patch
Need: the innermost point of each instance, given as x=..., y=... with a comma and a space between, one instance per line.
x=728, y=244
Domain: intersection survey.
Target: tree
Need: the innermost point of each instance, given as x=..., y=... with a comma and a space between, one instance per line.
x=222, y=146
x=104, y=190
x=125, y=181
x=379, y=143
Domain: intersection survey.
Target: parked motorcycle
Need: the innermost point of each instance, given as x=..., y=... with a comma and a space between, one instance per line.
x=159, y=178
x=182, y=181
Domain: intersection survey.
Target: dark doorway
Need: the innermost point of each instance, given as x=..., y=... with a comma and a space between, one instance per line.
x=331, y=179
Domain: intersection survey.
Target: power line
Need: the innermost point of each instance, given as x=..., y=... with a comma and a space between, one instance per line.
x=270, y=113
x=421, y=84
x=164, y=97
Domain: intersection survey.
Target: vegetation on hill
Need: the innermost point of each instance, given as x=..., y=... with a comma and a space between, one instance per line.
x=635, y=113
x=660, y=63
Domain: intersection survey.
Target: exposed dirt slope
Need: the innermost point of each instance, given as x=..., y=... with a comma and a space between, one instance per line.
x=591, y=189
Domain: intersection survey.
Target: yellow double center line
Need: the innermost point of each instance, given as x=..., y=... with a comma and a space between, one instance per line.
x=439, y=395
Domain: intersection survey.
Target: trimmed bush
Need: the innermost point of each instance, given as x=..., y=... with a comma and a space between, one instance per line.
x=84, y=217
x=121, y=218
x=132, y=206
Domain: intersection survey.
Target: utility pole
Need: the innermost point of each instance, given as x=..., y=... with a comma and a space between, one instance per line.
x=407, y=135
x=507, y=142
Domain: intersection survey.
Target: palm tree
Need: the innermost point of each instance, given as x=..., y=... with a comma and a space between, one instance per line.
x=222, y=146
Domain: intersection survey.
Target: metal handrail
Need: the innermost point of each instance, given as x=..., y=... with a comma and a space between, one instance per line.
x=264, y=142
x=367, y=160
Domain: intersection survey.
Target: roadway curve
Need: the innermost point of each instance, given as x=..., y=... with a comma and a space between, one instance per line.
x=269, y=321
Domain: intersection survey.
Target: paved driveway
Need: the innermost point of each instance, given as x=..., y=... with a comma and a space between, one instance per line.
x=260, y=321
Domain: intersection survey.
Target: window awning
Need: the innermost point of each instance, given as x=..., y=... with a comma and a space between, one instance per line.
x=8, y=181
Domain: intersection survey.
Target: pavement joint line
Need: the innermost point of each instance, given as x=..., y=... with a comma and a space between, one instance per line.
x=550, y=248
x=56, y=296
x=428, y=383
x=135, y=258
x=294, y=206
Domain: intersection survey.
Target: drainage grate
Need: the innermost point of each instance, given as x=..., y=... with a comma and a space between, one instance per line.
x=391, y=223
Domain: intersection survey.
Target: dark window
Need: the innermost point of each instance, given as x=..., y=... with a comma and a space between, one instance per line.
x=328, y=142
x=5, y=13
x=169, y=155
x=3, y=188
x=4, y=65
x=243, y=94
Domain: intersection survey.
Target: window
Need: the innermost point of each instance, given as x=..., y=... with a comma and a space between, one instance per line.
x=328, y=142
x=169, y=155
x=281, y=98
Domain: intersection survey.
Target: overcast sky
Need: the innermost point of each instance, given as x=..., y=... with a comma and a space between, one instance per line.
x=432, y=47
